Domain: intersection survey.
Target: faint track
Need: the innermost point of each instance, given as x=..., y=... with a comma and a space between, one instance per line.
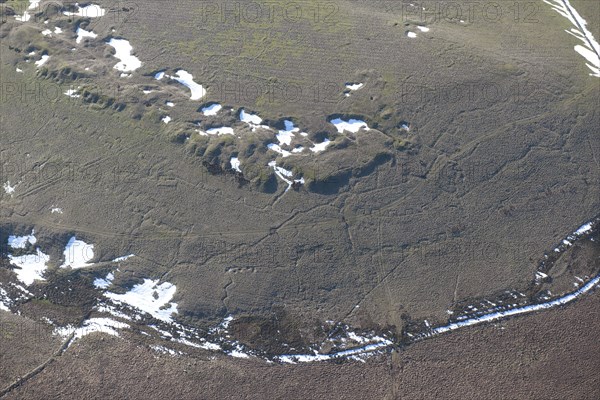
x=63, y=347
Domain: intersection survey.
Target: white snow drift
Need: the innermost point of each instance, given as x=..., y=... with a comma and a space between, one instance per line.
x=123, y=52
x=187, y=79
x=89, y=11
x=31, y=266
x=150, y=297
x=211, y=109
x=82, y=34
x=77, y=254
x=352, y=125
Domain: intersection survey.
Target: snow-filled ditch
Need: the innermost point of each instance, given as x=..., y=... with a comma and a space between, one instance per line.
x=519, y=310
x=155, y=299
x=102, y=325
x=347, y=344
x=285, y=175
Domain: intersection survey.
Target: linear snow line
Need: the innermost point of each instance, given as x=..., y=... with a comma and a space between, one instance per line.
x=496, y=316
x=379, y=346
x=588, y=35
x=590, y=49
x=568, y=298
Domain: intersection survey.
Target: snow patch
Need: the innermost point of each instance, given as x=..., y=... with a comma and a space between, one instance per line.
x=319, y=147
x=354, y=86
x=9, y=189
x=223, y=130
x=82, y=33
x=165, y=350
x=102, y=325
x=77, y=254
x=584, y=229
x=23, y=18
x=235, y=164
x=72, y=93
x=286, y=135
x=276, y=148
x=20, y=242
x=292, y=359
x=100, y=283
x=251, y=119
x=5, y=301
x=89, y=11
x=123, y=52
x=123, y=258
x=212, y=109
x=43, y=60
x=285, y=175
x=187, y=79
x=31, y=266
x=352, y=125
x=150, y=297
